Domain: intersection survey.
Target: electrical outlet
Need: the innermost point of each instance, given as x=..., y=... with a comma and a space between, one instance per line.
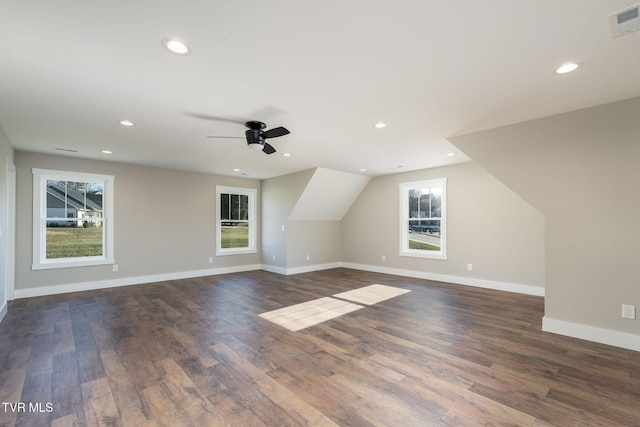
x=629, y=312
x=308, y=258
x=384, y=258
x=274, y=257
x=115, y=268
x=469, y=267
x=210, y=260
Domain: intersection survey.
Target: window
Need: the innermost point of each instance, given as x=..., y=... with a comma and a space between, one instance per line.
x=236, y=220
x=72, y=219
x=423, y=218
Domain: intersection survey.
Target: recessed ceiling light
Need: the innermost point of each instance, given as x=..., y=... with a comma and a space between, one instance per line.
x=286, y=154
x=107, y=151
x=380, y=125
x=126, y=123
x=236, y=170
x=176, y=46
x=451, y=154
x=567, y=68
x=363, y=170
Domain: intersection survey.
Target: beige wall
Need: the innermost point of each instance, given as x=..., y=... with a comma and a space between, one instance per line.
x=279, y=196
x=164, y=221
x=6, y=153
x=489, y=226
x=581, y=170
x=317, y=238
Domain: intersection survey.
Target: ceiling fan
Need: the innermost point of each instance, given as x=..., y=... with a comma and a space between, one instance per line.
x=256, y=135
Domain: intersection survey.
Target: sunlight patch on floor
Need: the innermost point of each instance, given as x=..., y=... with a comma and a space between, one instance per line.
x=371, y=294
x=300, y=316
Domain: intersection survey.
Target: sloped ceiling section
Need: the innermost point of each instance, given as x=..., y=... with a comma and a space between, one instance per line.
x=328, y=195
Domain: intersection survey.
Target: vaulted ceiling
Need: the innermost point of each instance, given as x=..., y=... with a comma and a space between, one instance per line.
x=328, y=71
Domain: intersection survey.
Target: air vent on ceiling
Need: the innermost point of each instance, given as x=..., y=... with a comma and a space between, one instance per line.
x=626, y=21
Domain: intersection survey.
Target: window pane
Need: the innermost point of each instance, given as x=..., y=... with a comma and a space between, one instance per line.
x=80, y=203
x=71, y=199
x=236, y=226
x=425, y=202
x=70, y=242
x=234, y=235
x=72, y=219
x=424, y=235
x=234, y=207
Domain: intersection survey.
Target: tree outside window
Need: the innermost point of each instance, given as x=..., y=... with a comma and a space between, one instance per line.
x=236, y=222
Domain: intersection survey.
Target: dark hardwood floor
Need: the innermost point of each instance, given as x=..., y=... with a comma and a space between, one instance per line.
x=195, y=353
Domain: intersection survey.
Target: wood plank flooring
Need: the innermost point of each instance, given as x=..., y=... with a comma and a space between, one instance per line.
x=195, y=353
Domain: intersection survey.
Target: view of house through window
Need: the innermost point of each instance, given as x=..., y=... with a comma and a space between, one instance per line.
x=423, y=218
x=74, y=219
x=236, y=220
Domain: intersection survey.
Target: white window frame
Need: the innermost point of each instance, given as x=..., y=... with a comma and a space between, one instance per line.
x=40, y=178
x=252, y=193
x=404, y=219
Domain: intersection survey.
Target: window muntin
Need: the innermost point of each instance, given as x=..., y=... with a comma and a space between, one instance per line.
x=236, y=220
x=73, y=219
x=423, y=218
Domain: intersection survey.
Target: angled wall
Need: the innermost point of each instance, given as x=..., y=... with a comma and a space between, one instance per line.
x=301, y=218
x=279, y=196
x=581, y=170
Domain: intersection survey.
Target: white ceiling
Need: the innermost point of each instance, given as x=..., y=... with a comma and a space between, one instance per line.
x=70, y=70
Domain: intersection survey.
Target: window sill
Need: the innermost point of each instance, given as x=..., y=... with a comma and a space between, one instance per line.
x=422, y=254
x=224, y=252
x=70, y=264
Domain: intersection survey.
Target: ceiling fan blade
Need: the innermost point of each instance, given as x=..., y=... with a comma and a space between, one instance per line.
x=226, y=137
x=268, y=148
x=275, y=132
x=229, y=119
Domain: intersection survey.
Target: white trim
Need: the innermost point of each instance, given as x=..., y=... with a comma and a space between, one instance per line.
x=458, y=280
x=3, y=311
x=252, y=195
x=274, y=269
x=10, y=232
x=592, y=333
x=128, y=281
x=315, y=267
x=405, y=217
x=39, y=257
x=298, y=270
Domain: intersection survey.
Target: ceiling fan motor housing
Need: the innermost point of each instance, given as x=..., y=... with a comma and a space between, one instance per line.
x=254, y=135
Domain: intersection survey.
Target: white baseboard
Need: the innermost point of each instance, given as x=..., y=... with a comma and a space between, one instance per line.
x=459, y=280
x=298, y=270
x=310, y=268
x=137, y=280
x=127, y=281
x=3, y=311
x=274, y=269
x=591, y=333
